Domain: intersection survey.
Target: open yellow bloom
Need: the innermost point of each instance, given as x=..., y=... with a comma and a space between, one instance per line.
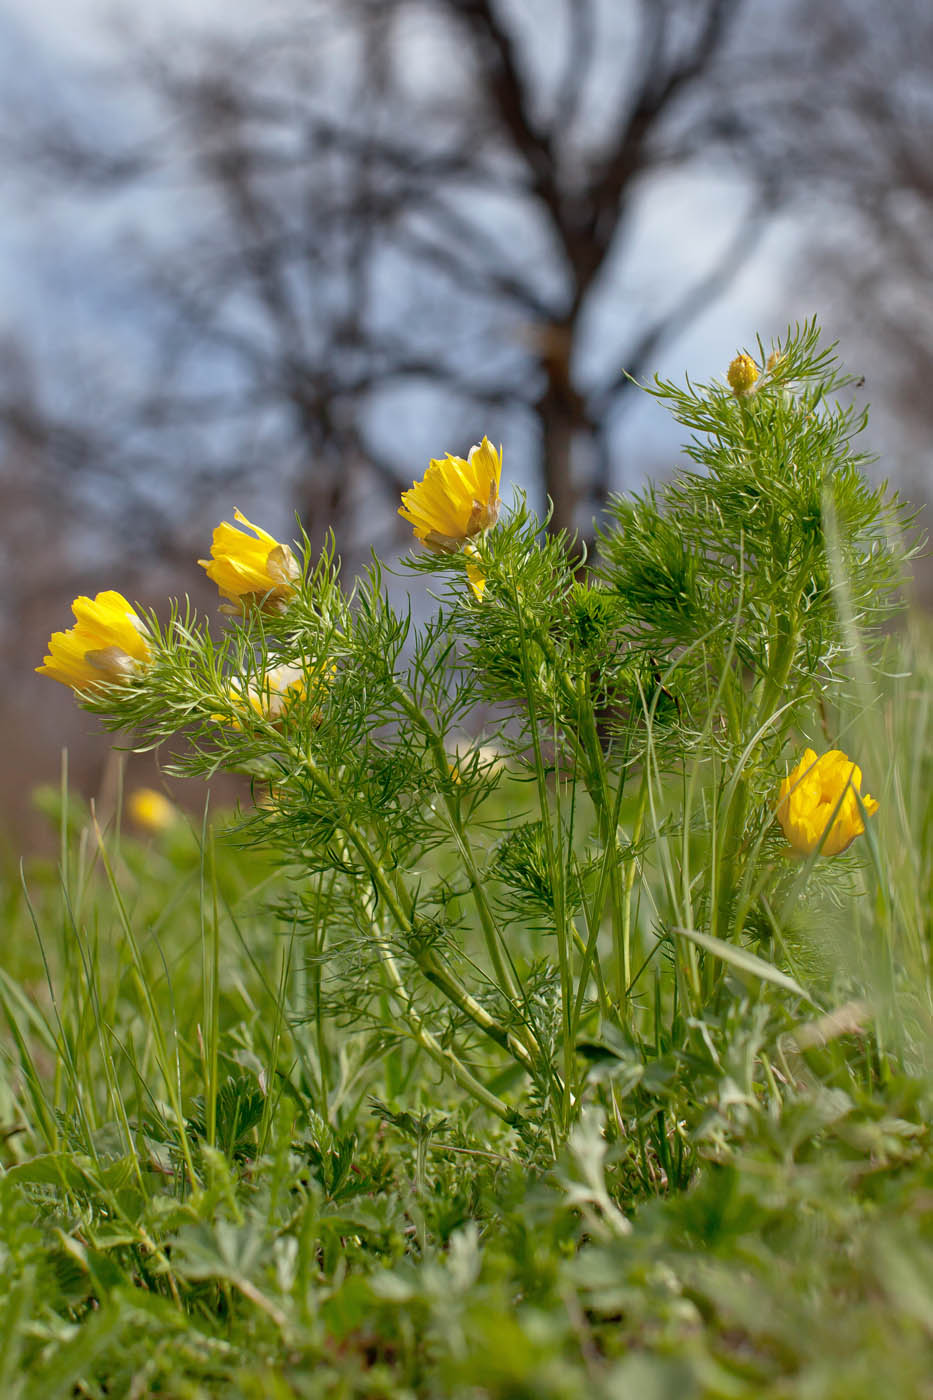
x=810, y=795
x=457, y=499
x=108, y=643
x=250, y=568
x=151, y=810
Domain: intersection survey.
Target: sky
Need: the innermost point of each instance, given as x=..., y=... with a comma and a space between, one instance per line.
x=55, y=280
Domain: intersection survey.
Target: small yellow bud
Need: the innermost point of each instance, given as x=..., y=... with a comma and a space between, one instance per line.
x=742, y=374
x=774, y=359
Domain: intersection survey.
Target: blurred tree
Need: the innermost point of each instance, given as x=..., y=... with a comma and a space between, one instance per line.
x=375, y=229
x=852, y=127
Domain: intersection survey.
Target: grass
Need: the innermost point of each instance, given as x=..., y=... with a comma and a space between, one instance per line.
x=207, y=1190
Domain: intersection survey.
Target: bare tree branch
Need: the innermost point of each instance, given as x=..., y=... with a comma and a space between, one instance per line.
x=580, y=48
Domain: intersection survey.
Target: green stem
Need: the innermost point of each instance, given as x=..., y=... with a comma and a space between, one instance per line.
x=435, y=972
x=589, y=959
x=728, y=875
x=782, y=659
x=441, y=1054
x=629, y=883
x=495, y=943
x=607, y=814
x=782, y=655
x=392, y=900
x=556, y=868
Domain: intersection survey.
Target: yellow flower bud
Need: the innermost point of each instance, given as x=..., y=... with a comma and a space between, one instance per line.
x=774, y=359
x=250, y=569
x=109, y=643
x=457, y=499
x=742, y=374
x=818, y=800
x=151, y=810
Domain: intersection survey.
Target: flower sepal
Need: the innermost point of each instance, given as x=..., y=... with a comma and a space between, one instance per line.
x=114, y=664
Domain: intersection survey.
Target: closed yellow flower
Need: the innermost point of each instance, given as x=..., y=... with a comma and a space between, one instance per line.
x=819, y=797
x=151, y=810
x=742, y=374
x=457, y=499
x=108, y=643
x=250, y=569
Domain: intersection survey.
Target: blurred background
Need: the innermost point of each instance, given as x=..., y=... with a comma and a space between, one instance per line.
x=277, y=256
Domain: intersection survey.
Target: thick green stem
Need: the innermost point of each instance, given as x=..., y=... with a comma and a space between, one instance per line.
x=781, y=659
x=435, y=972
x=728, y=873
x=494, y=942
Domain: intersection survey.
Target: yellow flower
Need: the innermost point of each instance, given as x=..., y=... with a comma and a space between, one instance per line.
x=250, y=568
x=151, y=810
x=457, y=499
x=108, y=643
x=280, y=687
x=742, y=374
x=809, y=797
